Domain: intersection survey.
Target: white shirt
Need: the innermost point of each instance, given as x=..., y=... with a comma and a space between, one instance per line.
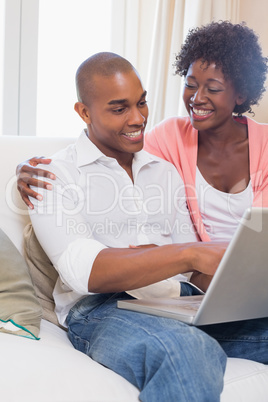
x=221, y=212
x=94, y=205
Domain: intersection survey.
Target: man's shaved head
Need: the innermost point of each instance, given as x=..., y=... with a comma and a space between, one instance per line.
x=102, y=64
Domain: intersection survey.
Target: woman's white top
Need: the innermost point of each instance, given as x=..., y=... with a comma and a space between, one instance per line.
x=221, y=212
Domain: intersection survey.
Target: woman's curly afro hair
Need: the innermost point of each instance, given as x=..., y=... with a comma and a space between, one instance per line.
x=235, y=49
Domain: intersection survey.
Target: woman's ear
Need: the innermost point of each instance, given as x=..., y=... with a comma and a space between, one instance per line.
x=83, y=112
x=240, y=99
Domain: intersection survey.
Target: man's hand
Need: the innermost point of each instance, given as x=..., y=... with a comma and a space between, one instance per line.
x=206, y=256
x=25, y=172
x=207, y=262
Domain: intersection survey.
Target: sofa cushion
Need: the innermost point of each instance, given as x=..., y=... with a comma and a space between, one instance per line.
x=52, y=370
x=20, y=311
x=43, y=273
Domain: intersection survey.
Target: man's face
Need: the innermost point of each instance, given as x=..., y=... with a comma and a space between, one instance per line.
x=118, y=114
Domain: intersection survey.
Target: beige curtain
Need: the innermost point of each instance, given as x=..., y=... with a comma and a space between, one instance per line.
x=173, y=21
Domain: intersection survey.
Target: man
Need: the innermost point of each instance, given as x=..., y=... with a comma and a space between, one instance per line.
x=108, y=194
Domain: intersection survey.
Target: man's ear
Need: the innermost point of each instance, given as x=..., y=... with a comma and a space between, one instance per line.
x=83, y=112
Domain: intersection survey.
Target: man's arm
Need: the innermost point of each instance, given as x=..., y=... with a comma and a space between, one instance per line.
x=85, y=265
x=116, y=270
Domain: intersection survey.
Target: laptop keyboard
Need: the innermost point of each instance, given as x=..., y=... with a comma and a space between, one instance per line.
x=193, y=305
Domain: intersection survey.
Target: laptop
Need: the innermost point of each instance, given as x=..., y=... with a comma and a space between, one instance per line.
x=239, y=288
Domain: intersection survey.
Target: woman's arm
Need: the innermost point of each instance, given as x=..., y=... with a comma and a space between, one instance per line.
x=25, y=172
x=201, y=280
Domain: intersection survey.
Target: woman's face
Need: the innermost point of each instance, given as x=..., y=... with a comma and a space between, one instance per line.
x=208, y=97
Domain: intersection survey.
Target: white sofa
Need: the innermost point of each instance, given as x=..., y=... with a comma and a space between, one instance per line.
x=50, y=369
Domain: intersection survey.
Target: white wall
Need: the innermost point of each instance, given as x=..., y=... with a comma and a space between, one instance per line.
x=254, y=13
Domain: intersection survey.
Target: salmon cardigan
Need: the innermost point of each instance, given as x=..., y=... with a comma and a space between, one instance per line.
x=175, y=140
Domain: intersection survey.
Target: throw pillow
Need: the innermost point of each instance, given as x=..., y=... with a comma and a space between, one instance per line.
x=43, y=273
x=20, y=310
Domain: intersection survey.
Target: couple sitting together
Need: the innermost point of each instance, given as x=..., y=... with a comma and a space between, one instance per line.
x=124, y=214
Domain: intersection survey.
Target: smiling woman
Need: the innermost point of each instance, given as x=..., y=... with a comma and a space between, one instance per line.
x=218, y=153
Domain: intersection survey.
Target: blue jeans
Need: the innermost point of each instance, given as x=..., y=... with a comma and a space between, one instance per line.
x=246, y=339
x=166, y=359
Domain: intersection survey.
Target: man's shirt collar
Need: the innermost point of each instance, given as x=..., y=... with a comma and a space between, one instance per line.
x=88, y=153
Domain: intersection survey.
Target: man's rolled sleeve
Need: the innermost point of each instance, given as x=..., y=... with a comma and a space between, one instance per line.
x=75, y=264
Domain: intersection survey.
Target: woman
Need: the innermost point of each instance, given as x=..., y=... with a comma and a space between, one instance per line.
x=220, y=155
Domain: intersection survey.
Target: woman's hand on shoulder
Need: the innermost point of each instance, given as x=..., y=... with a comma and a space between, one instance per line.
x=25, y=172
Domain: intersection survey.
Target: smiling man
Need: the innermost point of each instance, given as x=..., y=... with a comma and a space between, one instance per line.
x=106, y=184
